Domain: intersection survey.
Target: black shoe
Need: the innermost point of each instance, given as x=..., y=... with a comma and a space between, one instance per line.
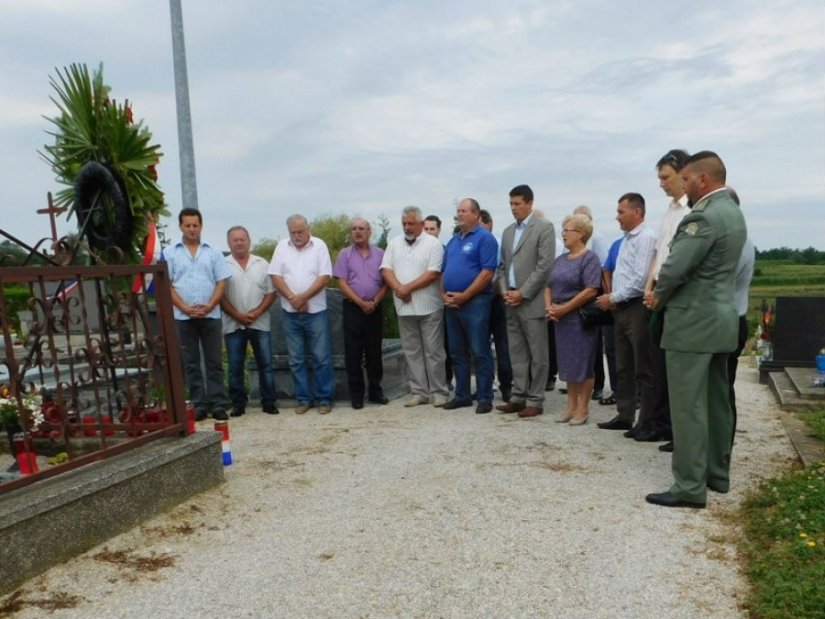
x=562, y=389
x=506, y=392
x=551, y=384
x=357, y=403
x=483, y=407
x=452, y=404
x=718, y=488
x=668, y=447
x=220, y=416
x=631, y=433
x=666, y=499
x=597, y=394
x=646, y=435
x=200, y=415
x=238, y=412
x=617, y=423
x=379, y=398
x=270, y=409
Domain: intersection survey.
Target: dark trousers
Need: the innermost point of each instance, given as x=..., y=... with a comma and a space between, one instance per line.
x=609, y=339
x=362, y=348
x=630, y=321
x=598, y=366
x=551, y=345
x=196, y=334
x=498, y=329
x=733, y=364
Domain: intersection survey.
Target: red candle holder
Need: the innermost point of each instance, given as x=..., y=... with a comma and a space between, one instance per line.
x=26, y=458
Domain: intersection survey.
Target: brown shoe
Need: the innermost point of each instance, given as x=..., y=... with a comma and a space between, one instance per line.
x=325, y=409
x=530, y=411
x=510, y=407
x=301, y=409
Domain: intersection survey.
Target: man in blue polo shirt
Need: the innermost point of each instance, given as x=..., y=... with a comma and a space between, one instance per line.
x=470, y=262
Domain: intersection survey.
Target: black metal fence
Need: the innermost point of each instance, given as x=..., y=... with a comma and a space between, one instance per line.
x=90, y=368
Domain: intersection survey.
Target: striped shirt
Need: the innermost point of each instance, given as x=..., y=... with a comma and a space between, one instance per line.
x=635, y=254
x=194, y=277
x=409, y=262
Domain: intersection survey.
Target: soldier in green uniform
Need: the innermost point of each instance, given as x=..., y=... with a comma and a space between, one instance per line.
x=695, y=293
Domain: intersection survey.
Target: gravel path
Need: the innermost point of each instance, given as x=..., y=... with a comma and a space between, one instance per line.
x=394, y=512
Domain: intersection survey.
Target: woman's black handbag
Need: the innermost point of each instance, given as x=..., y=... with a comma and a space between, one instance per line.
x=593, y=316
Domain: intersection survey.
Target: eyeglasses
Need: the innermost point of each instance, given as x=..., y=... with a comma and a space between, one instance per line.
x=569, y=230
x=358, y=228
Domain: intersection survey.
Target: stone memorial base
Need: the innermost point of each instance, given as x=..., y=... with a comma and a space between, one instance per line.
x=55, y=519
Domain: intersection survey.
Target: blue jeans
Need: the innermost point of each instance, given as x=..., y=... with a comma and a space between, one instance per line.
x=469, y=332
x=309, y=331
x=236, y=347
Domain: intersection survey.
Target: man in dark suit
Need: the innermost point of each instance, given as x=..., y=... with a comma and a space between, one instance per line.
x=528, y=248
x=695, y=288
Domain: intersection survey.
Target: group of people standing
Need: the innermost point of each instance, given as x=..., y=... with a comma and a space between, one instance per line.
x=670, y=298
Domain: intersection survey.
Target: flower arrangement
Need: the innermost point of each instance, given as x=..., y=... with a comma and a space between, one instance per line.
x=30, y=404
x=92, y=127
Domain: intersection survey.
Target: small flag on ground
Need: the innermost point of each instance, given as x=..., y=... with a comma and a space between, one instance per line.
x=223, y=428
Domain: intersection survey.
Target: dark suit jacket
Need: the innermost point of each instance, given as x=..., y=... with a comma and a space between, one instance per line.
x=532, y=261
x=696, y=283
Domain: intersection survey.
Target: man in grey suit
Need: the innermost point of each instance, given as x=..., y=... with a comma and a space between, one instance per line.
x=695, y=288
x=528, y=248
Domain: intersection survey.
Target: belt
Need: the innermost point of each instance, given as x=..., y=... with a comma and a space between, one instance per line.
x=628, y=303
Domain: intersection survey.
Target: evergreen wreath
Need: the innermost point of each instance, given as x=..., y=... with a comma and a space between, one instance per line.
x=91, y=127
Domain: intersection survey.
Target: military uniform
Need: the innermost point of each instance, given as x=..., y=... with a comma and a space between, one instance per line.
x=695, y=289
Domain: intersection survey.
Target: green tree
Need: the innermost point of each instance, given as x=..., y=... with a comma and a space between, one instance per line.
x=265, y=248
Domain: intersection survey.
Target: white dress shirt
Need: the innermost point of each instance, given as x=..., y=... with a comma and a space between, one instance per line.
x=245, y=291
x=632, y=264
x=676, y=211
x=300, y=268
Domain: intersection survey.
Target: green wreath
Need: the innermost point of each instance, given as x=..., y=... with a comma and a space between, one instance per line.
x=92, y=127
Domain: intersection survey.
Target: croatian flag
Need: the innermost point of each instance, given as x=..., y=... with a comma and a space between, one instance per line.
x=150, y=256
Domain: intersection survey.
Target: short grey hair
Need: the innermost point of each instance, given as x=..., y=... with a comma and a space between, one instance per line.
x=296, y=217
x=413, y=210
x=235, y=229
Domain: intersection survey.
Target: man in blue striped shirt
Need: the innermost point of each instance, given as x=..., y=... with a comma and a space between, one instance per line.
x=630, y=316
x=198, y=273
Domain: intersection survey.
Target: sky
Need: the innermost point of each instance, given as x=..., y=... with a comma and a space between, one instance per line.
x=363, y=107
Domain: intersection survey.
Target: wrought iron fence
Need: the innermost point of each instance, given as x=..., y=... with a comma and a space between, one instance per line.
x=91, y=369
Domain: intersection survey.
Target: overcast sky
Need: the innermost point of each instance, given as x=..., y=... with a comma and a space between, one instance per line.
x=366, y=106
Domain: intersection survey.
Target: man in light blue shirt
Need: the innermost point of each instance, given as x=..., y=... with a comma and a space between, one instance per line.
x=631, y=317
x=198, y=273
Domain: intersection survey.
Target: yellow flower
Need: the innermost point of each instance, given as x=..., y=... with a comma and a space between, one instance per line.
x=811, y=543
x=803, y=535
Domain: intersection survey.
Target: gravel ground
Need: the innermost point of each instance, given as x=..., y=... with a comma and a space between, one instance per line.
x=394, y=512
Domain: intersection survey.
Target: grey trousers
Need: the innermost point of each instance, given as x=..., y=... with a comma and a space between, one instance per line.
x=422, y=338
x=529, y=357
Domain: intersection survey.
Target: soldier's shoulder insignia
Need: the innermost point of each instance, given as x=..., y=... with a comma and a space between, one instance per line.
x=692, y=228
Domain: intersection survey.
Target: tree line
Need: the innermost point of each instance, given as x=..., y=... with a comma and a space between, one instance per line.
x=809, y=255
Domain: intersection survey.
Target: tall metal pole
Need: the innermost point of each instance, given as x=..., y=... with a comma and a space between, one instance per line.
x=189, y=188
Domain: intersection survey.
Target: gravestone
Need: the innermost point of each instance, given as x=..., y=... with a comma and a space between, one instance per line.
x=798, y=334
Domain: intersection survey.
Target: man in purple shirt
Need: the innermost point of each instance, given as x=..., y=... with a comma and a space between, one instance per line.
x=359, y=278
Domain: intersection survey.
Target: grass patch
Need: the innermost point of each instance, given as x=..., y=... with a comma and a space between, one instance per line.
x=816, y=422
x=784, y=546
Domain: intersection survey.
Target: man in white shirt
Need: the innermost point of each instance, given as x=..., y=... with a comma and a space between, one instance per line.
x=245, y=304
x=668, y=171
x=411, y=268
x=300, y=269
